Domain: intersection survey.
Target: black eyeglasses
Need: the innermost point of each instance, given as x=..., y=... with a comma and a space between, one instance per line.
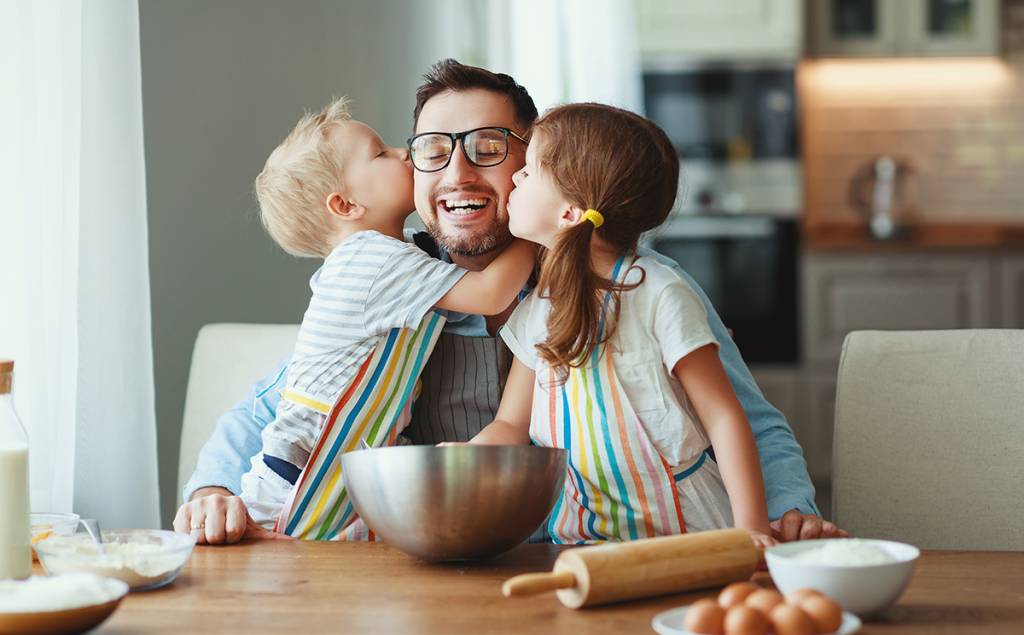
x=483, y=147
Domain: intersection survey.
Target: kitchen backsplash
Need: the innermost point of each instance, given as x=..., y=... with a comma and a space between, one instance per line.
x=958, y=122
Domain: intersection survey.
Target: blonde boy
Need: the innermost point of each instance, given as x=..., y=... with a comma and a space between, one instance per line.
x=334, y=189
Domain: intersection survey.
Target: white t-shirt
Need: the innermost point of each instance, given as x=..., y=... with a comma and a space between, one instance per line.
x=660, y=322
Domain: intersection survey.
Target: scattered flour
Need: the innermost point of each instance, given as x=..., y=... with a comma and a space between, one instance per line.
x=57, y=593
x=849, y=552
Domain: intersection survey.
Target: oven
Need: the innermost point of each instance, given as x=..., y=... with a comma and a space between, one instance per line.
x=748, y=266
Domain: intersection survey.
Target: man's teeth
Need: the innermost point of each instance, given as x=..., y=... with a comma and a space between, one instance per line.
x=465, y=206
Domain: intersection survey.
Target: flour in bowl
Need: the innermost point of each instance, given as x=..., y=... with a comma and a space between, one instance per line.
x=58, y=593
x=848, y=552
x=139, y=564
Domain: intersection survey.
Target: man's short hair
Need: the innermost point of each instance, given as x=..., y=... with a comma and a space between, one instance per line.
x=451, y=75
x=299, y=175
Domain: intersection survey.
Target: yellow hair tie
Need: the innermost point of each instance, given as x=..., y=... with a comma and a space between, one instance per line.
x=594, y=216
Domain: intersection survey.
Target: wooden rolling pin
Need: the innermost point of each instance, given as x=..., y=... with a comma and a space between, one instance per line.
x=614, y=572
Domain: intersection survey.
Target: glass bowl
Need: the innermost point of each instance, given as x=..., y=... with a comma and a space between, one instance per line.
x=143, y=558
x=46, y=524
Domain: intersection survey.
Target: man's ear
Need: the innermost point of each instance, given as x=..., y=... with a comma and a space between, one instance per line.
x=569, y=217
x=344, y=209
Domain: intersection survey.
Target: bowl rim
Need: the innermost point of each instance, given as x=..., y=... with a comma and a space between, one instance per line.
x=57, y=516
x=179, y=543
x=783, y=554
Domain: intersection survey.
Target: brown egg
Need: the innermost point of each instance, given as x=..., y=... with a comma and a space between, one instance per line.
x=763, y=600
x=795, y=598
x=735, y=594
x=790, y=620
x=705, y=616
x=825, y=614
x=743, y=620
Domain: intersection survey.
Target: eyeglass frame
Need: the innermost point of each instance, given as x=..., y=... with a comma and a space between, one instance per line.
x=456, y=137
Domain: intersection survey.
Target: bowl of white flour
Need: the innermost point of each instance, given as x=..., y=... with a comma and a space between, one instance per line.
x=864, y=576
x=58, y=605
x=143, y=558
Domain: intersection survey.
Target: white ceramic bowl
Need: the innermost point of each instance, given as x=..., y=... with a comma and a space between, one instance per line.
x=863, y=589
x=143, y=558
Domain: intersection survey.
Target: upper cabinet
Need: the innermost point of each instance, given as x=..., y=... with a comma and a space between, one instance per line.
x=730, y=30
x=903, y=28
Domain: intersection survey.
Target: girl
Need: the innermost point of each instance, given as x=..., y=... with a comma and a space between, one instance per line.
x=614, y=358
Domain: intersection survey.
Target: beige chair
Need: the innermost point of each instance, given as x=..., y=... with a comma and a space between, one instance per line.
x=929, y=438
x=226, y=361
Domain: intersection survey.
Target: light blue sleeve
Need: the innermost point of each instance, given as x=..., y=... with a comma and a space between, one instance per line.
x=236, y=439
x=786, y=481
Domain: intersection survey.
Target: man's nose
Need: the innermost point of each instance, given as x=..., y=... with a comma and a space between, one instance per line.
x=459, y=169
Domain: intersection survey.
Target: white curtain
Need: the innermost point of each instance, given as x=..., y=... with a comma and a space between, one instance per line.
x=566, y=50
x=74, y=282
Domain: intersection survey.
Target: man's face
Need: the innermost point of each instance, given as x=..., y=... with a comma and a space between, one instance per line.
x=464, y=207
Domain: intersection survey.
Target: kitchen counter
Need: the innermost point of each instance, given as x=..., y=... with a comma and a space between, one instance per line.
x=853, y=236
x=301, y=587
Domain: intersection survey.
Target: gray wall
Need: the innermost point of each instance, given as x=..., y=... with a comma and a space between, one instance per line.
x=223, y=82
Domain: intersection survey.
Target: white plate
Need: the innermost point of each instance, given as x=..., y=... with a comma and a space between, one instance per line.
x=670, y=622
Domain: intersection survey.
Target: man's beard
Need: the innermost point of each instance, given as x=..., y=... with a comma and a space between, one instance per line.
x=481, y=241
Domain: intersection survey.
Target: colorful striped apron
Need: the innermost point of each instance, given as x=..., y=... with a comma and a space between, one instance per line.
x=619, y=486
x=375, y=407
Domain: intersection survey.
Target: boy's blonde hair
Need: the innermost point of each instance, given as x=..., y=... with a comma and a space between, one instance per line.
x=298, y=176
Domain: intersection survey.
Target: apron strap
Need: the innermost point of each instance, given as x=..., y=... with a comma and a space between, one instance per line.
x=696, y=465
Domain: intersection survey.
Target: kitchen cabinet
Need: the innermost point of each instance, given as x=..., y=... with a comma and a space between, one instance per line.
x=898, y=291
x=737, y=29
x=918, y=289
x=903, y=28
x=1011, y=291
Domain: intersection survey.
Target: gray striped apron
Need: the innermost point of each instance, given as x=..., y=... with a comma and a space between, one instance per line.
x=462, y=385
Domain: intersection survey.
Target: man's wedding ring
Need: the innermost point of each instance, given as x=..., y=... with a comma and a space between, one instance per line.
x=198, y=527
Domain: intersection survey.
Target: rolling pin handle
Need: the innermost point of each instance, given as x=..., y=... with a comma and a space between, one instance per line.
x=534, y=583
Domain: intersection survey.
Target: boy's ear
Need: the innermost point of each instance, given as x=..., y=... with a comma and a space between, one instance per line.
x=570, y=216
x=344, y=209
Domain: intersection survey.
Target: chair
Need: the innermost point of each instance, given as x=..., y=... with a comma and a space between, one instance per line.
x=929, y=438
x=226, y=360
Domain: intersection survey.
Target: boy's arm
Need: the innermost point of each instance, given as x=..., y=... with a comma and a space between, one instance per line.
x=492, y=290
x=224, y=458
x=511, y=425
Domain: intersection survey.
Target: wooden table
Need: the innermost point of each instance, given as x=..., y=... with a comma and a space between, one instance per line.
x=300, y=587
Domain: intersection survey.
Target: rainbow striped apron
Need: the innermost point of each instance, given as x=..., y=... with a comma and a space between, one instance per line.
x=376, y=406
x=619, y=486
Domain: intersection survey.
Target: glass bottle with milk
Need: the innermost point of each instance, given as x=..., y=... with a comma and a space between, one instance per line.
x=15, y=537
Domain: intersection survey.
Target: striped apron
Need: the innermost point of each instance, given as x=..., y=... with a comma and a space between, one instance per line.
x=619, y=487
x=375, y=407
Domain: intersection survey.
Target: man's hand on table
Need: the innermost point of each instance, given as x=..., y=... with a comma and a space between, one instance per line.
x=796, y=526
x=215, y=516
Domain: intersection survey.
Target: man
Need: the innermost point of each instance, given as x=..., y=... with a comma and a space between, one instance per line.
x=463, y=205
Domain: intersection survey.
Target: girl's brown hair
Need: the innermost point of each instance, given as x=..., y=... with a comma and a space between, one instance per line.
x=622, y=165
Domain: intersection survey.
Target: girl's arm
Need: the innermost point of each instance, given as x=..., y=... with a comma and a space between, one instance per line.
x=492, y=290
x=707, y=386
x=511, y=425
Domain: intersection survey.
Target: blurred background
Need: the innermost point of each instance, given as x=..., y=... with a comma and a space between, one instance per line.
x=847, y=164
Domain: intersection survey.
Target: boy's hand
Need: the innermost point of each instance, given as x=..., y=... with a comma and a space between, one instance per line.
x=215, y=518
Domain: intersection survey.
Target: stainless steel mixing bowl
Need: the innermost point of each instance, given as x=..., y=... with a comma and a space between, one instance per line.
x=460, y=502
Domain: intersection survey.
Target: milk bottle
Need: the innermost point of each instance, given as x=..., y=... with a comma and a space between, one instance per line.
x=15, y=539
